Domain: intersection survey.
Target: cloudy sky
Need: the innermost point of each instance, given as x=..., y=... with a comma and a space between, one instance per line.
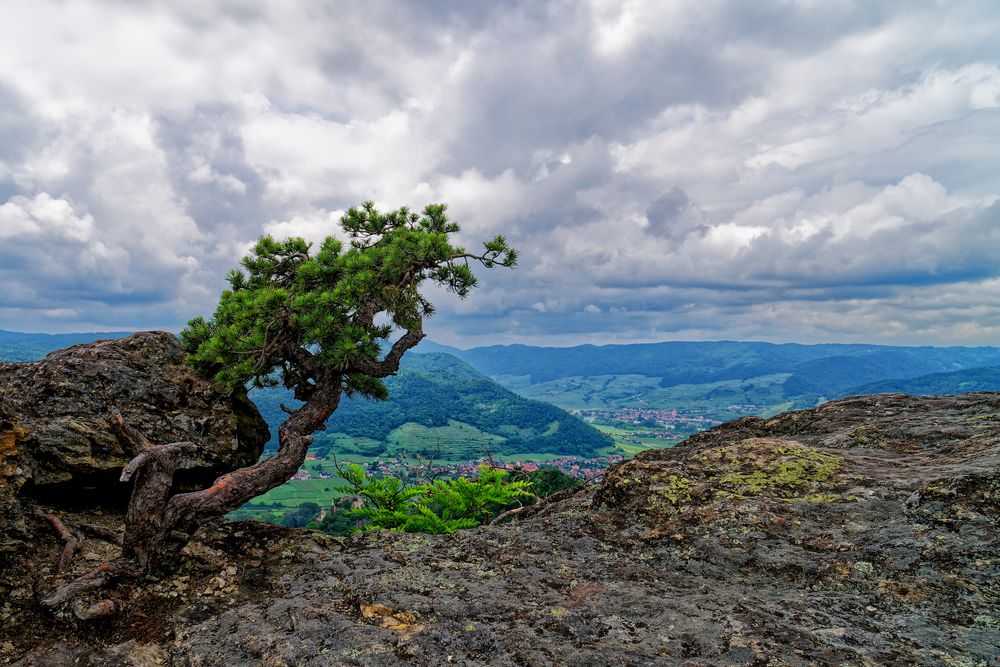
x=807, y=170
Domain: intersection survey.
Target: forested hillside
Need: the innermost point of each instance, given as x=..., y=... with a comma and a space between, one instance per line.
x=969, y=379
x=438, y=402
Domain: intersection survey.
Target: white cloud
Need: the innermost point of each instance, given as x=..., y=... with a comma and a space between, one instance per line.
x=45, y=242
x=314, y=227
x=698, y=169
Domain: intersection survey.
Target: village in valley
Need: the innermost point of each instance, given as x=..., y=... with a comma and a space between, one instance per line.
x=632, y=429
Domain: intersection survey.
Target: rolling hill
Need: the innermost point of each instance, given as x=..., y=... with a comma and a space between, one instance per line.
x=956, y=382
x=438, y=402
x=710, y=374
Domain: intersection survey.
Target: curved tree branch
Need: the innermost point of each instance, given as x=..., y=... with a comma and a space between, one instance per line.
x=133, y=442
x=390, y=364
x=232, y=490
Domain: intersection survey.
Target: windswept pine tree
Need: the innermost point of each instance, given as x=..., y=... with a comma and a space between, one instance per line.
x=318, y=322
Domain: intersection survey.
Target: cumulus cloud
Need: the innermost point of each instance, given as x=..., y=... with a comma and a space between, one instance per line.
x=50, y=252
x=721, y=169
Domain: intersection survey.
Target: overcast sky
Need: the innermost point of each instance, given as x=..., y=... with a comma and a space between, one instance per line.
x=788, y=171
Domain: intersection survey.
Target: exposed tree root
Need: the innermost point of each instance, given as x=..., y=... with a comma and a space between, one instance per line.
x=159, y=523
x=102, y=576
x=71, y=539
x=100, y=532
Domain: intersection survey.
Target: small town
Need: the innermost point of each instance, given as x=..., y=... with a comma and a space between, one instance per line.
x=668, y=420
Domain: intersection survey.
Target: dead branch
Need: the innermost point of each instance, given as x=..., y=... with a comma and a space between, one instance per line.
x=425, y=468
x=144, y=457
x=131, y=440
x=518, y=510
x=509, y=513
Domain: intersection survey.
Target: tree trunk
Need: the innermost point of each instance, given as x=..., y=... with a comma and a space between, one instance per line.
x=158, y=525
x=181, y=514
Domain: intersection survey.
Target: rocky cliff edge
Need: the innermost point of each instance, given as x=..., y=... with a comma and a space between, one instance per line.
x=55, y=441
x=864, y=532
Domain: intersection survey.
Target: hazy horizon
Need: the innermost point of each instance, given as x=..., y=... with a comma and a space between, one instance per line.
x=418, y=349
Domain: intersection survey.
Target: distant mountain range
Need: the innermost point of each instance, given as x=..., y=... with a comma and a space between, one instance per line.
x=724, y=377
x=17, y=346
x=713, y=374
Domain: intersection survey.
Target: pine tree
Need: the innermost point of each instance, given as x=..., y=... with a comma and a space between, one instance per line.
x=317, y=321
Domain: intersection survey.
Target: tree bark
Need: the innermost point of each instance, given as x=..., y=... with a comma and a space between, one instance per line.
x=232, y=490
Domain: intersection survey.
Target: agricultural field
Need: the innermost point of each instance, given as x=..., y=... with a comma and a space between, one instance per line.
x=461, y=441
x=630, y=441
x=273, y=504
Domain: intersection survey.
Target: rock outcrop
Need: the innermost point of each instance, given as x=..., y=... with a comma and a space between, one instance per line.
x=54, y=433
x=12, y=528
x=864, y=532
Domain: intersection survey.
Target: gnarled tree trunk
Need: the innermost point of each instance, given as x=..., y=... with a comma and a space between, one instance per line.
x=158, y=524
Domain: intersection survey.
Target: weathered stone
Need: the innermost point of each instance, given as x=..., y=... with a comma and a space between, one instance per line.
x=63, y=442
x=12, y=478
x=762, y=542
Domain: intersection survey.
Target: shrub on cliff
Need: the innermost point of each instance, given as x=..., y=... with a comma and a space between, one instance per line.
x=440, y=506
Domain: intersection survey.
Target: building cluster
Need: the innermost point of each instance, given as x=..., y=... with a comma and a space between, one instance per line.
x=668, y=419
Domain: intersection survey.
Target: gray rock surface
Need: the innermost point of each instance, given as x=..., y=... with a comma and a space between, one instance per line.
x=864, y=532
x=60, y=405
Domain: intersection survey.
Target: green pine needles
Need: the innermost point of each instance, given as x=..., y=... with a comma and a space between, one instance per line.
x=293, y=311
x=441, y=506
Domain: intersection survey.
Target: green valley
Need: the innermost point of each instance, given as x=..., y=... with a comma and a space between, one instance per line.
x=626, y=399
x=440, y=406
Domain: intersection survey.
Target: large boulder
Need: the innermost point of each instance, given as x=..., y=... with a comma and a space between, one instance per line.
x=54, y=432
